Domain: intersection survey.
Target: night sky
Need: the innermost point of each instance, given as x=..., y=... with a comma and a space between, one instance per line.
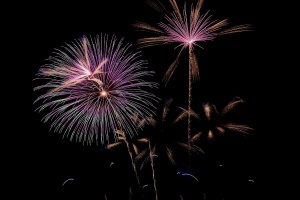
x=229, y=67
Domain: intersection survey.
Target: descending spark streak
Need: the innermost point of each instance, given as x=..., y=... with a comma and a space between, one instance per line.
x=191, y=176
x=145, y=185
x=153, y=174
x=111, y=163
x=70, y=179
x=187, y=174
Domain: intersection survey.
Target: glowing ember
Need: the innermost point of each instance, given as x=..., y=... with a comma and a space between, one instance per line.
x=190, y=41
x=103, y=93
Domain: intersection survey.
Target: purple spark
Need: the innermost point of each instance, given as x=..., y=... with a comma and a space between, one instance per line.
x=95, y=87
x=188, y=34
x=188, y=28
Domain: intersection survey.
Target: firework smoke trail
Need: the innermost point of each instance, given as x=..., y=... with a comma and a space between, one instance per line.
x=131, y=144
x=129, y=150
x=132, y=163
x=130, y=193
x=86, y=81
x=153, y=174
x=134, y=166
x=187, y=30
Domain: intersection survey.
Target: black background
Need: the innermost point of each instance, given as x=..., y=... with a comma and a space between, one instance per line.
x=229, y=66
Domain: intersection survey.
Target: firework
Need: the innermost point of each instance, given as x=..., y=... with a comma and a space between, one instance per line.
x=93, y=87
x=216, y=123
x=160, y=136
x=161, y=141
x=186, y=28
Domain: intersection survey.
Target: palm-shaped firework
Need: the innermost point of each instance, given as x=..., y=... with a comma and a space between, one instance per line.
x=94, y=87
x=214, y=122
x=160, y=141
x=187, y=28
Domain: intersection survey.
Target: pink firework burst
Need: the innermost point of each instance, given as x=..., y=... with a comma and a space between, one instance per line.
x=94, y=87
x=188, y=28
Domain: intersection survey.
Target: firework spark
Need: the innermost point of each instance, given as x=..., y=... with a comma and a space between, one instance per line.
x=187, y=29
x=217, y=122
x=162, y=141
x=94, y=86
x=132, y=143
x=187, y=174
x=70, y=179
x=131, y=148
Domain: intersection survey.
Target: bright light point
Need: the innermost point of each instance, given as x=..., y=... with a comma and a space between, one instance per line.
x=251, y=181
x=190, y=41
x=85, y=70
x=103, y=93
x=88, y=73
x=111, y=163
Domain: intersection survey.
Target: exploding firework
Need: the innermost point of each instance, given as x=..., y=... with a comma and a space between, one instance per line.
x=216, y=122
x=187, y=28
x=93, y=87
